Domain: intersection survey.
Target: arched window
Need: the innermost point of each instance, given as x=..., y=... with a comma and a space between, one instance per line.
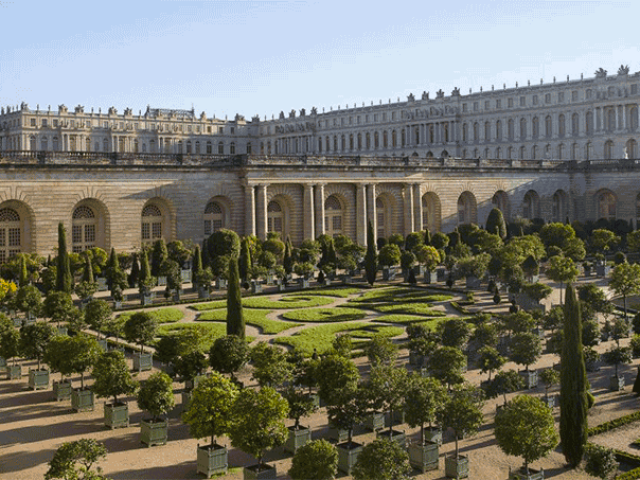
x=56, y=144
x=232, y=148
x=188, y=146
x=534, y=152
x=561, y=126
x=464, y=132
x=589, y=123
x=608, y=150
x=381, y=218
x=431, y=212
x=633, y=119
x=343, y=143
x=575, y=125
x=376, y=140
x=498, y=131
x=500, y=201
x=467, y=208
x=498, y=153
x=32, y=142
x=631, y=149
x=275, y=218
x=523, y=129
x=83, y=229
x=531, y=206
x=606, y=205
x=561, y=152
x=213, y=218
x=367, y=141
x=359, y=141
x=333, y=214
x=559, y=204
x=197, y=147
x=10, y=234
x=209, y=148
x=220, y=148
x=476, y=132
x=523, y=152
x=351, y=142
x=385, y=140
x=135, y=145
x=151, y=224
x=611, y=120
x=548, y=126
x=44, y=144
x=487, y=131
x=248, y=148
x=535, y=128
x=510, y=129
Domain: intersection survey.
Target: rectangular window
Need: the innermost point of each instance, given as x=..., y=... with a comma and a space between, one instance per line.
x=33, y=122
x=634, y=89
x=475, y=106
x=189, y=128
x=535, y=99
x=105, y=124
x=208, y=129
x=384, y=117
x=547, y=98
x=358, y=120
x=233, y=130
x=486, y=104
x=393, y=115
x=89, y=233
x=220, y=130
x=146, y=231
x=366, y=118
x=561, y=97
x=523, y=101
x=574, y=96
x=464, y=107
x=44, y=122
x=14, y=237
x=337, y=223
x=76, y=234
x=375, y=117
x=510, y=103
x=156, y=230
x=207, y=228
x=498, y=103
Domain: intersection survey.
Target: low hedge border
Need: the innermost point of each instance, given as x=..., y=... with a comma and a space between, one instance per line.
x=615, y=423
x=629, y=459
x=458, y=307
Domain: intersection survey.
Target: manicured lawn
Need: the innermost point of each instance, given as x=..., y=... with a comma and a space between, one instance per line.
x=257, y=318
x=342, y=292
x=287, y=302
x=410, y=309
x=199, y=307
x=338, y=314
x=399, y=318
x=162, y=315
x=210, y=331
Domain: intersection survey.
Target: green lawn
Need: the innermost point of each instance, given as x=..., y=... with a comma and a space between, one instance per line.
x=399, y=318
x=410, y=309
x=257, y=318
x=162, y=315
x=337, y=314
x=287, y=302
x=211, y=331
x=342, y=292
x=199, y=307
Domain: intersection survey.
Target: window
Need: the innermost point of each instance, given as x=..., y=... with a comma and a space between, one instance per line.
x=209, y=148
x=547, y=98
x=561, y=97
x=607, y=206
x=574, y=96
x=232, y=148
x=381, y=219
x=275, y=218
x=531, y=205
x=523, y=101
x=486, y=105
x=220, y=148
x=333, y=216
x=475, y=106
x=464, y=107
x=535, y=99
x=10, y=234
x=213, y=218
x=33, y=122
x=634, y=89
x=561, y=126
x=498, y=104
x=151, y=224
x=44, y=122
x=83, y=229
x=510, y=102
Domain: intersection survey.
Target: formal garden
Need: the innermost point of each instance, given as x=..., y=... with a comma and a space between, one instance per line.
x=509, y=351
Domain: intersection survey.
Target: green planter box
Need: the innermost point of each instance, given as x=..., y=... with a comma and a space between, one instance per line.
x=154, y=433
x=39, y=379
x=62, y=331
x=142, y=362
x=433, y=435
x=192, y=383
x=3, y=362
x=203, y=293
x=520, y=474
x=397, y=436
x=146, y=300
x=297, y=438
x=62, y=390
x=530, y=378
x=347, y=456
x=213, y=461
x=260, y=472
x=456, y=468
x=430, y=276
x=397, y=419
x=337, y=434
x=616, y=383
x=103, y=344
x=116, y=416
x=374, y=421
x=424, y=457
x=14, y=372
x=82, y=400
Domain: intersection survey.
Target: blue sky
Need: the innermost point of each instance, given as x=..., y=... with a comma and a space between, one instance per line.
x=261, y=57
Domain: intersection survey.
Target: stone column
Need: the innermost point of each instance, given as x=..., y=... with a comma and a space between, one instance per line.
x=261, y=212
x=309, y=214
x=361, y=214
x=408, y=208
x=624, y=117
x=319, y=209
x=371, y=208
x=417, y=208
x=250, y=210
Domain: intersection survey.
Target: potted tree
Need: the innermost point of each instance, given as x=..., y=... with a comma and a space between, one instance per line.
x=155, y=397
x=347, y=410
x=59, y=307
x=97, y=314
x=300, y=405
x=525, y=349
x=386, y=386
x=229, y=354
x=82, y=353
x=85, y=451
x=190, y=366
x=430, y=258
x=34, y=339
x=525, y=428
x=58, y=359
x=29, y=301
x=10, y=349
x=203, y=279
x=112, y=378
x=141, y=328
x=463, y=414
x=616, y=356
x=388, y=258
x=383, y=459
x=424, y=397
x=502, y=384
x=258, y=425
x=490, y=360
x=210, y=413
x=316, y=460
x=549, y=377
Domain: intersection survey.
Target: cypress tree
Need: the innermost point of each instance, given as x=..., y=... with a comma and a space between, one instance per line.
x=158, y=257
x=145, y=270
x=64, y=280
x=87, y=274
x=371, y=258
x=427, y=237
x=112, y=265
x=287, y=260
x=206, y=258
x=24, y=274
x=135, y=271
x=244, y=263
x=196, y=267
x=235, y=316
x=496, y=223
x=574, y=403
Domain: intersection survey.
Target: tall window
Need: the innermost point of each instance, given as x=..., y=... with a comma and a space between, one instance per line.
x=213, y=218
x=151, y=224
x=381, y=219
x=607, y=206
x=10, y=234
x=531, y=205
x=559, y=206
x=275, y=218
x=466, y=208
x=333, y=216
x=83, y=229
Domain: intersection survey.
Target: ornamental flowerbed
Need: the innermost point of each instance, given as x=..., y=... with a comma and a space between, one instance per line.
x=287, y=302
x=163, y=315
x=255, y=317
x=411, y=309
x=337, y=314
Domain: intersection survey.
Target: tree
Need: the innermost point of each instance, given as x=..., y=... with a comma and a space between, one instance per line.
x=140, y=328
x=270, y=366
x=64, y=280
x=134, y=275
x=86, y=452
x=316, y=460
x=349, y=407
x=235, y=316
x=287, y=260
x=496, y=224
x=428, y=256
x=258, y=421
x=82, y=351
x=300, y=404
x=145, y=280
x=371, y=257
x=503, y=383
x=112, y=376
x=600, y=461
x=380, y=350
x=244, y=261
x=525, y=349
x=490, y=360
x=389, y=255
x=10, y=344
x=229, y=354
x=383, y=459
x=454, y=332
x=386, y=387
x=462, y=412
x=573, y=384
x=549, y=376
x=34, y=339
x=625, y=280
x=28, y=300
x=525, y=428
x=159, y=255
x=562, y=269
x=424, y=397
x=211, y=409
x=156, y=395
x=336, y=374
x=59, y=307
x=190, y=363
x=98, y=315
x=446, y=364
x=617, y=356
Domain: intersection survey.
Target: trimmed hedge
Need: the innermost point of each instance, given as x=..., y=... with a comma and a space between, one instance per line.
x=615, y=423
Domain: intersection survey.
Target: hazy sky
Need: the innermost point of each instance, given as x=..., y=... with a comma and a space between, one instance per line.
x=261, y=57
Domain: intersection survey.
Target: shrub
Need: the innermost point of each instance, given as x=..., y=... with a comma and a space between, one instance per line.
x=383, y=459
x=600, y=461
x=317, y=460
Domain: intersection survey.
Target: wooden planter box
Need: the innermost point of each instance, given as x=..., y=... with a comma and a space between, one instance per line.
x=616, y=383
x=520, y=474
x=154, y=433
x=117, y=305
x=82, y=400
x=116, y=416
x=337, y=434
x=256, y=287
x=3, y=362
x=203, y=293
x=456, y=468
x=14, y=372
x=260, y=472
x=221, y=283
x=192, y=383
x=550, y=400
x=592, y=365
x=397, y=436
x=142, y=362
x=347, y=456
x=162, y=281
x=397, y=419
x=388, y=274
x=430, y=276
x=146, y=300
x=433, y=435
x=603, y=270
x=297, y=438
x=530, y=378
x=473, y=282
x=39, y=379
x=374, y=421
x=62, y=390
x=213, y=460
x=186, y=400
x=185, y=275
x=304, y=282
x=424, y=457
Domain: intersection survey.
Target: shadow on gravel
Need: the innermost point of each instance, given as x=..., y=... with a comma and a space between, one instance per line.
x=14, y=462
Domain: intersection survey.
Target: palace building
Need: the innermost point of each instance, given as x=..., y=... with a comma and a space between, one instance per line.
x=554, y=151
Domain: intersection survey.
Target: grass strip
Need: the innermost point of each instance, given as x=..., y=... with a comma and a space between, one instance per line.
x=255, y=317
x=337, y=314
x=410, y=309
x=200, y=307
x=287, y=302
x=162, y=315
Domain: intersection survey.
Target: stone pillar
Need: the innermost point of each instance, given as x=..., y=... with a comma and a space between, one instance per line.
x=408, y=208
x=250, y=210
x=417, y=208
x=361, y=214
x=261, y=212
x=308, y=229
x=624, y=117
x=319, y=210
x=371, y=208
